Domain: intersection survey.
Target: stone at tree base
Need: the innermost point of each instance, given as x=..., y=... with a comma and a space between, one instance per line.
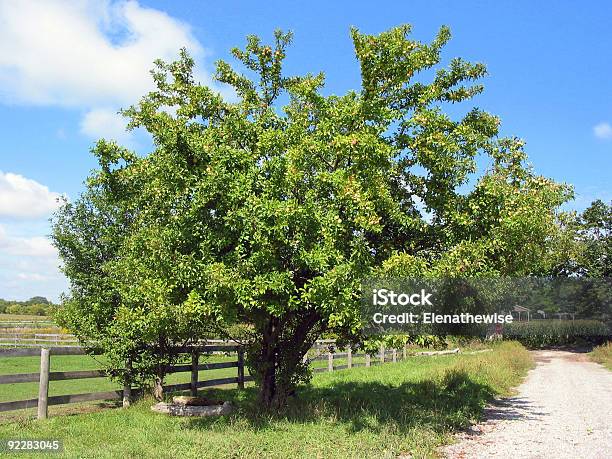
x=187, y=400
x=193, y=410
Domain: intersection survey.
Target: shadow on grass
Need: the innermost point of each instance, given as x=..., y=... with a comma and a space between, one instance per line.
x=448, y=403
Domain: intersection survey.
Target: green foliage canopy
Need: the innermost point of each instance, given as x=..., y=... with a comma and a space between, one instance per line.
x=269, y=210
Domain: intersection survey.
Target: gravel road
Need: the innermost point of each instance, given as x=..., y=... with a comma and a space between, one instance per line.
x=563, y=410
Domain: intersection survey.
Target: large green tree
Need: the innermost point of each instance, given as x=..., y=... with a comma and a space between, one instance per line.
x=268, y=210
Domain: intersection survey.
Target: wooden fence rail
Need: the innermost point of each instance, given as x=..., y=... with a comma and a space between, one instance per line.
x=127, y=393
x=27, y=324
x=33, y=339
x=45, y=375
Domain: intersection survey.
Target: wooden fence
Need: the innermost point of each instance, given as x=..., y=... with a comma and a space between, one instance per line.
x=125, y=394
x=33, y=339
x=27, y=324
x=383, y=356
x=323, y=350
x=23, y=333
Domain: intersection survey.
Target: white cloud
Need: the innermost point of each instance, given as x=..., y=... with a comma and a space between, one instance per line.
x=25, y=198
x=37, y=246
x=84, y=52
x=33, y=247
x=87, y=54
x=29, y=266
x=104, y=122
x=603, y=130
x=36, y=277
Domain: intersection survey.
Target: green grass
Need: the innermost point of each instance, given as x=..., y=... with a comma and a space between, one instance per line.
x=411, y=407
x=603, y=354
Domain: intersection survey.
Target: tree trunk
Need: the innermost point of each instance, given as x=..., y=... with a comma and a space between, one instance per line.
x=282, y=347
x=267, y=390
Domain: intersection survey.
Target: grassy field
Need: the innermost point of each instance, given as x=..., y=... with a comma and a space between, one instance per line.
x=410, y=407
x=603, y=354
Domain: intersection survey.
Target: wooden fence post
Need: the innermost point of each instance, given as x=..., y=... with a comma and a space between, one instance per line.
x=127, y=386
x=394, y=355
x=43, y=386
x=349, y=358
x=193, y=384
x=330, y=361
x=368, y=360
x=158, y=385
x=404, y=352
x=382, y=353
x=240, y=368
x=127, y=395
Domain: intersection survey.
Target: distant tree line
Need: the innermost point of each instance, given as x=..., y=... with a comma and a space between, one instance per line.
x=36, y=306
x=594, y=234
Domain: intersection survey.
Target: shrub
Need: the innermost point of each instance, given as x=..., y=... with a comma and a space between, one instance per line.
x=539, y=333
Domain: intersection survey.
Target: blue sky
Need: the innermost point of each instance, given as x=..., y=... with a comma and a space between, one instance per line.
x=67, y=66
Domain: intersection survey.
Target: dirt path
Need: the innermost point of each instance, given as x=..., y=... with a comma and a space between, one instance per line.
x=562, y=410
